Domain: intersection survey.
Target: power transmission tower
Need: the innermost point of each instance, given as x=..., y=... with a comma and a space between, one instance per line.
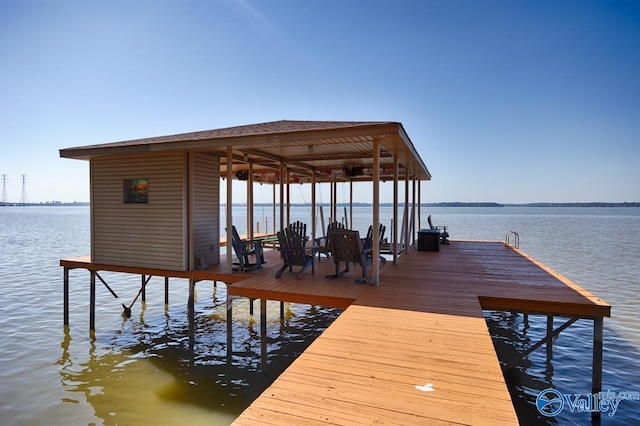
x=4, y=189
x=23, y=195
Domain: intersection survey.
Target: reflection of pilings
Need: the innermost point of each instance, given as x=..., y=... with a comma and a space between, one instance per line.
x=549, y=337
x=229, y=329
x=263, y=329
x=191, y=312
x=92, y=301
x=65, y=314
x=166, y=291
x=65, y=359
x=263, y=334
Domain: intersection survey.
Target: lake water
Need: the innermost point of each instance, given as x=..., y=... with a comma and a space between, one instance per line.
x=141, y=371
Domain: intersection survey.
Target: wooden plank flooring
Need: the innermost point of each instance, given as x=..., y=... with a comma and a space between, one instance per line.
x=423, y=325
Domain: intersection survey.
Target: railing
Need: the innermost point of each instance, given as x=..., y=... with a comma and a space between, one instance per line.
x=516, y=239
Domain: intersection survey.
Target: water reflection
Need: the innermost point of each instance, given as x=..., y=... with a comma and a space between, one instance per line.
x=147, y=372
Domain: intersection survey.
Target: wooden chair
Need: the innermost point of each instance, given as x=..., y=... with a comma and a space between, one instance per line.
x=244, y=249
x=444, y=234
x=367, y=244
x=324, y=246
x=293, y=252
x=346, y=246
x=300, y=228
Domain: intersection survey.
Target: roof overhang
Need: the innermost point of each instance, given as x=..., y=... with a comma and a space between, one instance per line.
x=329, y=149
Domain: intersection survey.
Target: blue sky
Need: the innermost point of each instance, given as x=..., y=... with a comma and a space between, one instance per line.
x=506, y=101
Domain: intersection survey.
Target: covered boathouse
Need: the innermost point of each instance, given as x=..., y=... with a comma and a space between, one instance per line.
x=411, y=349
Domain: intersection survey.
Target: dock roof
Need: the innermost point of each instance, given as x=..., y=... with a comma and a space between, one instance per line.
x=331, y=149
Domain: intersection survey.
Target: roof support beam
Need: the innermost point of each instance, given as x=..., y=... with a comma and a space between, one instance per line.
x=276, y=158
x=282, y=169
x=288, y=186
x=375, y=256
x=407, y=240
x=395, y=211
x=419, y=204
x=250, y=220
x=229, y=206
x=313, y=208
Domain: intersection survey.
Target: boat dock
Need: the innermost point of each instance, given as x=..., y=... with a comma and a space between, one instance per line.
x=414, y=350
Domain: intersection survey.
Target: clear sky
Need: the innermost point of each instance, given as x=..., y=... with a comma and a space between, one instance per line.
x=505, y=101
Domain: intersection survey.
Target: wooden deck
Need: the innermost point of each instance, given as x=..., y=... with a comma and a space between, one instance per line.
x=421, y=329
x=415, y=350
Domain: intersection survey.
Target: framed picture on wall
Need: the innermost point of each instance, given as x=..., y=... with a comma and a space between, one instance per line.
x=136, y=191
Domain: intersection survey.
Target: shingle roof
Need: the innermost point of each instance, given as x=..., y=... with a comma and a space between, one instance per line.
x=303, y=145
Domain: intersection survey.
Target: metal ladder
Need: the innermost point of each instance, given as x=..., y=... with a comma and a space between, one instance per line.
x=516, y=239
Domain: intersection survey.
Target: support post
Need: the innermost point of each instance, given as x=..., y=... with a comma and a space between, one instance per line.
x=313, y=206
x=166, y=291
x=250, y=221
x=281, y=194
x=251, y=306
x=144, y=288
x=263, y=334
x=92, y=301
x=394, y=231
x=282, y=311
x=65, y=313
x=375, y=256
x=229, y=207
x=598, y=334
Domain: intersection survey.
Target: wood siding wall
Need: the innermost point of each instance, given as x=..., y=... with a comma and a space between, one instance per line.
x=206, y=209
x=152, y=235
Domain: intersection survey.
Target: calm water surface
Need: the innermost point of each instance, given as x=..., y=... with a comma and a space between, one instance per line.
x=141, y=371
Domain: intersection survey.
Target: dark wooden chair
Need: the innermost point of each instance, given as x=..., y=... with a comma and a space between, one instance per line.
x=244, y=249
x=444, y=234
x=367, y=244
x=293, y=252
x=324, y=246
x=346, y=246
x=300, y=228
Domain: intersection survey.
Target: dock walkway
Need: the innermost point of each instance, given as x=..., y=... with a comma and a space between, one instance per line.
x=416, y=349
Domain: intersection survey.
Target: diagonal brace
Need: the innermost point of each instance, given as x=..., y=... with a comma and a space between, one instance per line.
x=127, y=310
x=547, y=338
x=106, y=285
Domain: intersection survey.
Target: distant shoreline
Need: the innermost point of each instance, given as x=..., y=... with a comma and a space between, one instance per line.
x=443, y=204
x=48, y=203
x=479, y=204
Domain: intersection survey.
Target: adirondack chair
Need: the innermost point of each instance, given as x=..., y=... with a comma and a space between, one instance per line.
x=244, y=249
x=346, y=246
x=293, y=252
x=301, y=229
x=324, y=246
x=367, y=244
x=444, y=234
